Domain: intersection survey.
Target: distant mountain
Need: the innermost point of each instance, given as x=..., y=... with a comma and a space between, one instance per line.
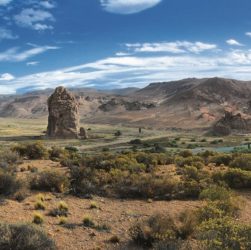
x=188, y=103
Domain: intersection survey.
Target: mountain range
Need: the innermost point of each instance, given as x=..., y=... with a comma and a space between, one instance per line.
x=186, y=104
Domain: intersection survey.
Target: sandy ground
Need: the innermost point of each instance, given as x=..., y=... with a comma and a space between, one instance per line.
x=119, y=215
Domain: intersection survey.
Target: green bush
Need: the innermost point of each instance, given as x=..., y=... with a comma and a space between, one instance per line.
x=186, y=153
x=50, y=181
x=108, y=161
x=20, y=237
x=235, y=178
x=242, y=162
x=156, y=228
x=9, y=185
x=61, y=211
x=120, y=183
x=224, y=233
x=32, y=151
x=214, y=193
x=8, y=159
x=195, y=161
x=220, y=159
x=56, y=154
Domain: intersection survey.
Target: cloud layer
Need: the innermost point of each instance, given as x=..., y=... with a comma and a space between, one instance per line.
x=136, y=70
x=34, y=19
x=128, y=6
x=5, y=2
x=15, y=55
x=172, y=47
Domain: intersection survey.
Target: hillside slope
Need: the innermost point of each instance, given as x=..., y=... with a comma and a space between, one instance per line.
x=188, y=103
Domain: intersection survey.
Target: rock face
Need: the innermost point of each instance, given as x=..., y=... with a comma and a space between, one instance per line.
x=63, y=121
x=231, y=122
x=83, y=133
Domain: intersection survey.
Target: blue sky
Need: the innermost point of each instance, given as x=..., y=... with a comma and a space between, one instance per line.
x=121, y=43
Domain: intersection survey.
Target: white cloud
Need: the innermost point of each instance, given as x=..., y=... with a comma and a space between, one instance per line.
x=14, y=55
x=6, y=77
x=6, y=34
x=138, y=70
x=248, y=34
x=128, y=6
x=233, y=42
x=172, y=47
x=33, y=63
x=34, y=19
x=47, y=4
x=5, y=2
x=122, y=54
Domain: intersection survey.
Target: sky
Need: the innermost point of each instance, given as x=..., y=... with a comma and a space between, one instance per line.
x=108, y=44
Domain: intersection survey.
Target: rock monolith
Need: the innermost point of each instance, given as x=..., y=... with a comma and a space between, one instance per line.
x=63, y=121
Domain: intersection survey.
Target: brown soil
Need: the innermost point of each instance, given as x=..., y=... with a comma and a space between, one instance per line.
x=119, y=215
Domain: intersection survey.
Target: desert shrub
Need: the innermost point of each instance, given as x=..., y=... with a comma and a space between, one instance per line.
x=235, y=178
x=146, y=186
x=195, y=161
x=220, y=159
x=121, y=183
x=189, y=189
x=71, y=149
x=215, y=192
x=8, y=160
x=191, y=172
x=114, y=239
x=156, y=228
x=9, y=184
x=118, y=133
x=160, y=149
x=56, y=153
x=149, y=160
x=88, y=221
x=206, y=155
x=32, y=151
x=22, y=193
x=39, y=205
x=221, y=202
x=50, y=181
x=23, y=236
x=210, y=211
x=186, y=153
x=38, y=218
x=188, y=221
x=224, y=233
x=242, y=162
x=93, y=205
x=61, y=211
x=176, y=244
x=136, y=142
x=103, y=227
x=108, y=161
x=62, y=220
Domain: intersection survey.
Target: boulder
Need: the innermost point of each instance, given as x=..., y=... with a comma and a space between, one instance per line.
x=230, y=122
x=63, y=121
x=83, y=133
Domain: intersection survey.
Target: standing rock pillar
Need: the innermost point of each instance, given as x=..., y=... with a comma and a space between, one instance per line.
x=63, y=121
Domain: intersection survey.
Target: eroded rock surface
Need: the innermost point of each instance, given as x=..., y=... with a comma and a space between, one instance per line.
x=231, y=122
x=63, y=121
x=83, y=133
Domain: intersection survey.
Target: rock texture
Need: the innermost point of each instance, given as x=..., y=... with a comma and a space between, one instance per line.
x=83, y=133
x=231, y=122
x=63, y=121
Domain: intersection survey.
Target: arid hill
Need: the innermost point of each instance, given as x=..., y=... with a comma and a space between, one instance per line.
x=187, y=104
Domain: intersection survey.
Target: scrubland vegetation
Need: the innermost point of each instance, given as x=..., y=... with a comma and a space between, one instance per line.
x=214, y=179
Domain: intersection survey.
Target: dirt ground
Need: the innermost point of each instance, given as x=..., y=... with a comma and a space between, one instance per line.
x=119, y=215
